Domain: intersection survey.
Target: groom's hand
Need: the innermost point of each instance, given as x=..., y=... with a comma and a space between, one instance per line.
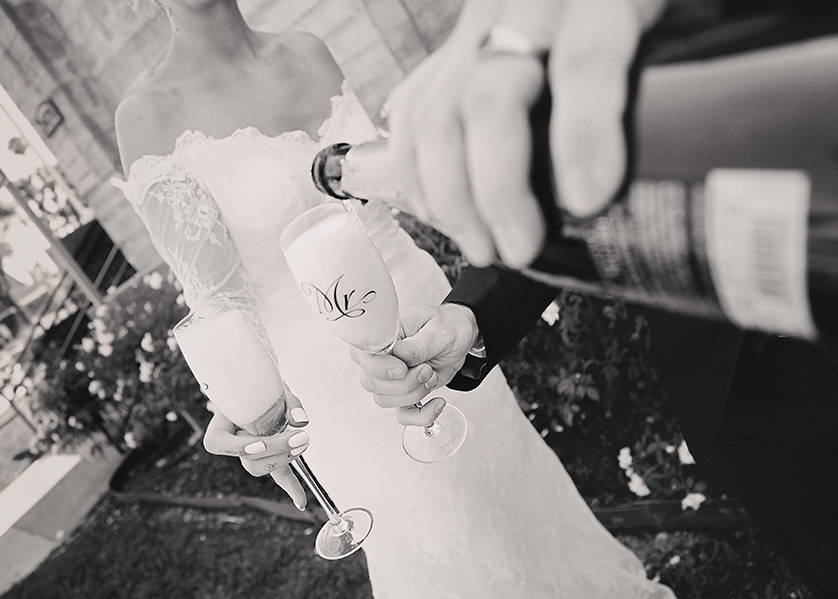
x=436, y=343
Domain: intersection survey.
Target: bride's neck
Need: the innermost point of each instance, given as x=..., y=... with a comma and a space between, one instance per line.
x=210, y=36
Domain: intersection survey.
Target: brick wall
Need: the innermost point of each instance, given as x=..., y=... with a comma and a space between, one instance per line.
x=86, y=54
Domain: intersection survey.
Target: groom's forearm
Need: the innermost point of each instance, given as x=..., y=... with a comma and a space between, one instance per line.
x=506, y=305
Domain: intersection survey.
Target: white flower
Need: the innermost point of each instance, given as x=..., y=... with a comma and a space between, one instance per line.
x=88, y=345
x=98, y=325
x=674, y=560
x=79, y=366
x=130, y=440
x=94, y=387
x=154, y=280
x=105, y=338
x=101, y=311
x=171, y=342
x=638, y=486
x=106, y=350
x=684, y=454
x=670, y=449
x=624, y=458
x=171, y=416
x=72, y=422
x=17, y=374
x=693, y=501
x=551, y=314
x=146, y=370
x=147, y=343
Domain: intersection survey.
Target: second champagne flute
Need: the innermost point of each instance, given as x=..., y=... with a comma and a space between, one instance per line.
x=236, y=370
x=346, y=282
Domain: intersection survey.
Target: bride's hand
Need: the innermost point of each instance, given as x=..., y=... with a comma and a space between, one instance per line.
x=436, y=343
x=261, y=456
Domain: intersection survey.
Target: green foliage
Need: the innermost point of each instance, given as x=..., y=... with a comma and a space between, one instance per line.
x=126, y=382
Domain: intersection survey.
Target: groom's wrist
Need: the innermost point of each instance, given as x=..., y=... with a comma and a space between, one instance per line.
x=473, y=337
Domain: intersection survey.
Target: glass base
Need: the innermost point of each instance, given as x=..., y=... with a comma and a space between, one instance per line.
x=439, y=441
x=336, y=541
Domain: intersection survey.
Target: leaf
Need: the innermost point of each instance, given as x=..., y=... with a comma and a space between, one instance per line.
x=593, y=393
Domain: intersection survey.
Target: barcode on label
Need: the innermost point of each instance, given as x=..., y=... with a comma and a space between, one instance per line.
x=768, y=237
x=756, y=226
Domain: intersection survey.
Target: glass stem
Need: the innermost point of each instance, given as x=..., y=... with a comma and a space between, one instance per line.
x=433, y=429
x=308, y=477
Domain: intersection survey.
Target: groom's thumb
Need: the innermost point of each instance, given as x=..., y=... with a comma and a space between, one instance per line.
x=415, y=350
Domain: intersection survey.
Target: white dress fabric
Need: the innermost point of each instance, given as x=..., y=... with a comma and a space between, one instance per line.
x=501, y=519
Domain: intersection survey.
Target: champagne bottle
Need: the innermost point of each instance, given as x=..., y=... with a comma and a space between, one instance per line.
x=730, y=204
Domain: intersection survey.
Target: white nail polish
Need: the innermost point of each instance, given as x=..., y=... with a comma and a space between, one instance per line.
x=298, y=440
x=254, y=447
x=298, y=450
x=299, y=415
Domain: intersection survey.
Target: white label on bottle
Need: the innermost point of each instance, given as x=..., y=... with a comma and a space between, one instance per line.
x=756, y=226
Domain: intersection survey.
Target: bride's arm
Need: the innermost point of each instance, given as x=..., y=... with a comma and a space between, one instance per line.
x=186, y=229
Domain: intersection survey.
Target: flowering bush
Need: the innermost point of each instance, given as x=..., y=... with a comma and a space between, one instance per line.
x=126, y=382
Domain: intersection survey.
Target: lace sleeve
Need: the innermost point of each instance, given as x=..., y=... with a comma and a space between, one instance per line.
x=186, y=229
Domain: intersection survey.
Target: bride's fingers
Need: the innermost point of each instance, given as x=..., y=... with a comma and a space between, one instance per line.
x=424, y=416
x=277, y=454
x=285, y=478
x=285, y=445
x=297, y=416
x=220, y=437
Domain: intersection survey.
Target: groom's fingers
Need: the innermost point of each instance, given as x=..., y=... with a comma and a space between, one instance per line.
x=421, y=377
x=421, y=416
x=376, y=366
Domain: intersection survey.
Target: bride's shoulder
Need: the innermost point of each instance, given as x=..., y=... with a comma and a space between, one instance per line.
x=306, y=50
x=143, y=125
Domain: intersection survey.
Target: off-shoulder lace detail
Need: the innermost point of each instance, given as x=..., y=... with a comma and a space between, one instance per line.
x=185, y=226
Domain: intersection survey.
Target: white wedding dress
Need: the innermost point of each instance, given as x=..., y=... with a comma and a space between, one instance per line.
x=501, y=519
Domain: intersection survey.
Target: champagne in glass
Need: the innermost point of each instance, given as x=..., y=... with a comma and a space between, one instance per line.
x=346, y=281
x=236, y=370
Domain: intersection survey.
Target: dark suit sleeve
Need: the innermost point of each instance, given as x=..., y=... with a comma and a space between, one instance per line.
x=507, y=305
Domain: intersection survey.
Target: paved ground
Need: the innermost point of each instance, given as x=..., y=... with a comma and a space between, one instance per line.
x=43, y=505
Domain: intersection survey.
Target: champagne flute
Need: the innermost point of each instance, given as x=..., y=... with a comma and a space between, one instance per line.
x=236, y=370
x=346, y=282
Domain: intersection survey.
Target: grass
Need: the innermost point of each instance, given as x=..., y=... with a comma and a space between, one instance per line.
x=153, y=551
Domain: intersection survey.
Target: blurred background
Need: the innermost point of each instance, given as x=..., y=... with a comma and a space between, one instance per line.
x=103, y=483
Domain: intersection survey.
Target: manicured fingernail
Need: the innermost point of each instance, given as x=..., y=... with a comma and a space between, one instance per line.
x=302, y=508
x=254, y=447
x=298, y=450
x=431, y=383
x=298, y=440
x=299, y=416
x=424, y=375
x=441, y=406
